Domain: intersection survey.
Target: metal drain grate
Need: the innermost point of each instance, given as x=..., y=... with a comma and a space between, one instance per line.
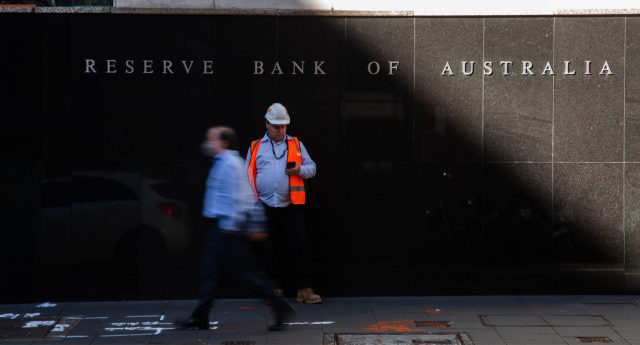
x=37, y=328
x=238, y=342
x=594, y=340
x=398, y=339
x=436, y=324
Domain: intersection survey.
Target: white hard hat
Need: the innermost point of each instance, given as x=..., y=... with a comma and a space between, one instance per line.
x=277, y=114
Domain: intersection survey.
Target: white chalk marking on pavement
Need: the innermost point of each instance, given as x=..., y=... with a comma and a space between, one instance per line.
x=13, y=316
x=147, y=323
x=213, y=322
x=162, y=318
x=111, y=329
x=157, y=330
x=75, y=336
x=36, y=324
x=96, y=317
x=46, y=305
x=59, y=328
x=143, y=316
x=31, y=314
x=124, y=335
x=311, y=323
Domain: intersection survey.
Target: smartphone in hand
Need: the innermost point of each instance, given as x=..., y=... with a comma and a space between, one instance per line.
x=291, y=165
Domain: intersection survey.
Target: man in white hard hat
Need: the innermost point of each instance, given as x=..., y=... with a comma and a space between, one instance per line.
x=276, y=166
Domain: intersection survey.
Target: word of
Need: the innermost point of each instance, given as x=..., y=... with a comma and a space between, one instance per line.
x=259, y=67
x=393, y=65
x=468, y=68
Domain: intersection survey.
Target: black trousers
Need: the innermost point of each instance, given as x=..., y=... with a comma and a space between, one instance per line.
x=230, y=257
x=286, y=247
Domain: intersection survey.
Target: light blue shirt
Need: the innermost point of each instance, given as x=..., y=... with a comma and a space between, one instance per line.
x=227, y=195
x=271, y=180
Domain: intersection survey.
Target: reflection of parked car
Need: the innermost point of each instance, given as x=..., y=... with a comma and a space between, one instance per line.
x=98, y=215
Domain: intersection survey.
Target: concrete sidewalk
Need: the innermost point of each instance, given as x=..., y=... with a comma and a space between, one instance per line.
x=517, y=320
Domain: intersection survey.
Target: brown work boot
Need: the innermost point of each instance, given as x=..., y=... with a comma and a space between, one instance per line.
x=279, y=292
x=308, y=296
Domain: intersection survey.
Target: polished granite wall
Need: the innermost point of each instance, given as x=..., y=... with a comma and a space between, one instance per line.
x=427, y=183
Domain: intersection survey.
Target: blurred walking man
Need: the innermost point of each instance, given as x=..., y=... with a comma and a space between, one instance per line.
x=233, y=219
x=276, y=166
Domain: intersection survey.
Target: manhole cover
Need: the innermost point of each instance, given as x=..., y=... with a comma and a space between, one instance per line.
x=437, y=324
x=398, y=339
x=37, y=328
x=594, y=340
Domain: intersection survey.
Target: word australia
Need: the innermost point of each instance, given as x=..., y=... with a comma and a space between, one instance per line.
x=526, y=68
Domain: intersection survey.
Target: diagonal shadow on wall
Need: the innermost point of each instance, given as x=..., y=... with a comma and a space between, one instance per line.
x=467, y=183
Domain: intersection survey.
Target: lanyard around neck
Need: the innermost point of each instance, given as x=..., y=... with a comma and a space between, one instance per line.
x=286, y=148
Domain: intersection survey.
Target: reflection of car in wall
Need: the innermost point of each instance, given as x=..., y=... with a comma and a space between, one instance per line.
x=98, y=215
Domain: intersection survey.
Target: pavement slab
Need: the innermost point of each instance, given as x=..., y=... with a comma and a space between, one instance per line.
x=630, y=335
x=188, y=304
x=259, y=338
x=585, y=331
x=89, y=309
x=507, y=310
x=576, y=320
x=514, y=320
x=462, y=321
x=482, y=336
x=43, y=309
x=558, y=341
x=485, y=301
x=511, y=320
x=516, y=332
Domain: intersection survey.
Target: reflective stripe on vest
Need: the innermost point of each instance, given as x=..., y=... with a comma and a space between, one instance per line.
x=252, y=167
x=296, y=183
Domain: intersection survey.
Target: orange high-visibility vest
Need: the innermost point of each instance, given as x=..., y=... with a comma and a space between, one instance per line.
x=295, y=182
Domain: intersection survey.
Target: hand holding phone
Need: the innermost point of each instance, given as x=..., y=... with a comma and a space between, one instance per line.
x=291, y=165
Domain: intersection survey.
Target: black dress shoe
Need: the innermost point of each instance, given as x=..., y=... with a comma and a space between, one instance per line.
x=191, y=323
